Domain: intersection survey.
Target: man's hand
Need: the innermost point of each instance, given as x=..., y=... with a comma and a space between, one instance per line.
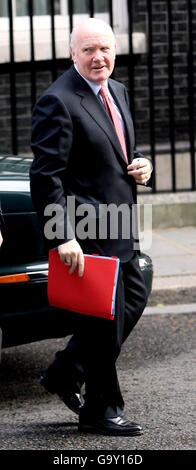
x=1, y=238
x=140, y=169
x=72, y=255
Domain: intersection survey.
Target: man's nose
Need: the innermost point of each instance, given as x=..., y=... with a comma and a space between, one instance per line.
x=98, y=55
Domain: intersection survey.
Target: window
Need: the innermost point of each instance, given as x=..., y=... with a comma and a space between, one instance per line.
x=3, y=9
x=20, y=7
x=42, y=27
x=100, y=6
x=43, y=7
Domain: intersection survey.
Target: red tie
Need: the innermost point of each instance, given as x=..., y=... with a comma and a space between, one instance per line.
x=110, y=108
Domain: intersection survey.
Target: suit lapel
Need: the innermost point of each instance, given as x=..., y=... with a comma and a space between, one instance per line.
x=96, y=110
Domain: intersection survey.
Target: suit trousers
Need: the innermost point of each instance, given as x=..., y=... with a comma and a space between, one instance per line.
x=91, y=353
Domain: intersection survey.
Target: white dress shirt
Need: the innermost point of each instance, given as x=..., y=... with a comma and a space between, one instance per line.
x=95, y=87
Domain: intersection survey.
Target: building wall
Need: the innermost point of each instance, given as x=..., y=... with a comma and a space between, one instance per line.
x=141, y=91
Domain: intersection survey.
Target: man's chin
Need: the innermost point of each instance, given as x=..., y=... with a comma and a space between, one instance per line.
x=99, y=76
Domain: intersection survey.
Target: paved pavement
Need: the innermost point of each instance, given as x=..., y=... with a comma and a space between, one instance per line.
x=156, y=369
x=173, y=253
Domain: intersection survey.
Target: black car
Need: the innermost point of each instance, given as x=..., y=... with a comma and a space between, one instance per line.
x=25, y=315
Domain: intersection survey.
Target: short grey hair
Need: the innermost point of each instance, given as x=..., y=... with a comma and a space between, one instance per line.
x=88, y=21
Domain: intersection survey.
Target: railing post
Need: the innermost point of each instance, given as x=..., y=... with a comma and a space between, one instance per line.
x=171, y=93
x=131, y=60
x=12, y=82
x=111, y=13
x=32, y=63
x=71, y=12
x=151, y=91
x=191, y=93
x=52, y=13
x=91, y=8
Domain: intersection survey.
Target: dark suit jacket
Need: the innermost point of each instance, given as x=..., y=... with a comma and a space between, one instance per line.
x=77, y=153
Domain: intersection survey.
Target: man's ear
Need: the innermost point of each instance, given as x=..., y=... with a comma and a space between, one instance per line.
x=72, y=54
x=115, y=48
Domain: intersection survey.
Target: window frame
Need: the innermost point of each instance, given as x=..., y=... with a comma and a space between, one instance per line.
x=42, y=33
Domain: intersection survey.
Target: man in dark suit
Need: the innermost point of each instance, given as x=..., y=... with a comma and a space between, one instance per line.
x=83, y=142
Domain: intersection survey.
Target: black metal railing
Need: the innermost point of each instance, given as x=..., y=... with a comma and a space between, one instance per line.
x=191, y=92
x=128, y=60
x=12, y=78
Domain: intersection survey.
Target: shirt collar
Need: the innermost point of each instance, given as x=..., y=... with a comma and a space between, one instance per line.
x=94, y=86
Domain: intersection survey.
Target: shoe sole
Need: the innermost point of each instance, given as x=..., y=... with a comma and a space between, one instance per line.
x=53, y=392
x=93, y=430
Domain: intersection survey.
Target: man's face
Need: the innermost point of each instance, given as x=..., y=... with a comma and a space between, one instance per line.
x=94, y=54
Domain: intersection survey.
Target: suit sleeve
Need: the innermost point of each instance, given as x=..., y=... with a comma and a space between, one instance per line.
x=137, y=154
x=51, y=144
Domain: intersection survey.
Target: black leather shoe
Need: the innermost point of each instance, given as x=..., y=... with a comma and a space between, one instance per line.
x=110, y=427
x=71, y=398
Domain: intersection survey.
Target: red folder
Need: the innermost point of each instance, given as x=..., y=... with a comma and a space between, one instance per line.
x=92, y=294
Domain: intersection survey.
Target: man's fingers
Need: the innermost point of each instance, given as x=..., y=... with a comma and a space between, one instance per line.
x=77, y=260
x=138, y=173
x=140, y=169
x=139, y=163
x=73, y=263
x=80, y=264
x=136, y=164
x=62, y=257
x=71, y=255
